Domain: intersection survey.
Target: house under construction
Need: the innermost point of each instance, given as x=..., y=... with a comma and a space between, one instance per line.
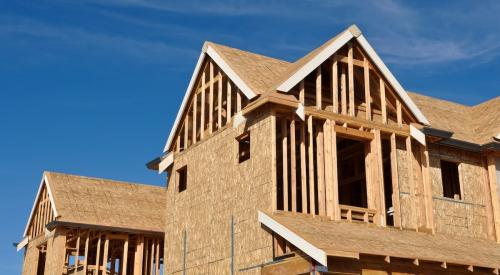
x=325, y=165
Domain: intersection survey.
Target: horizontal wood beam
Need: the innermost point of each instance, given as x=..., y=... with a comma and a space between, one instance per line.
x=353, y=133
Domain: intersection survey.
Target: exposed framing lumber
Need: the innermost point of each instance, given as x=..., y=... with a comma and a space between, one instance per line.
x=85, y=264
x=334, y=167
x=124, y=260
x=98, y=249
x=105, y=254
x=327, y=138
x=411, y=180
x=77, y=253
x=219, y=100
x=383, y=104
x=202, y=110
x=157, y=260
x=351, y=79
x=293, y=165
x=395, y=182
x=335, y=84
x=274, y=140
x=284, y=144
x=399, y=115
x=195, y=113
x=146, y=257
x=353, y=133
x=229, y=101
x=312, y=206
x=320, y=159
x=238, y=101
x=318, y=88
x=303, y=173
x=380, y=177
x=138, y=257
x=426, y=180
x=302, y=92
x=211, y=100
x=186, y=133
x=152, y=256
x=343, y=91
x=366, y=71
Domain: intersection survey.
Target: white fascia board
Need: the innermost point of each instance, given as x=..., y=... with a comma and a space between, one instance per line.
x=166, y=162
x=207, y=50
x=311, y=250
x=238, y=119
x=301, y=112
x=22, y=243
x=417, y=134
x=51, y=198
x=315, y=62
x=392, y=80
x=497, y=137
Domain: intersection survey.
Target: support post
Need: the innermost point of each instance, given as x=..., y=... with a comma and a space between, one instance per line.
x=343, y=92
x=293, y=165
x=318, y=88
x=195, y=112
x=229, y=101
x=368, y=99
x=426, y=179
x=105, y=255
x=202, y=117
x=335, y=85
x=335, y=180
x=219, y=100
x=321, y=172
x=491, y=166
x=395, y=183
x=211, y=100
x=98, y=257
x=327, y=138
x=284, y=144
x=139, y=253
x=351, y=79
x=399, y=115
x=85, y=264
x=383, y=104
x=124, y=260
x=312, y=206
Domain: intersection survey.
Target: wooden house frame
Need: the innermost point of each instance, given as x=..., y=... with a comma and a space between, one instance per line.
x=325, y=165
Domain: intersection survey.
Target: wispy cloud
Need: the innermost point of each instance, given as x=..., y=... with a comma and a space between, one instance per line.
x=99, y=43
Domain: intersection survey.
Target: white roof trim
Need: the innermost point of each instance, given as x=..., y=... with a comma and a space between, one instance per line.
x=301, y=112
x=207, y=50
x=22, y=244
x=497, y=137
x=353, y=32
x=315, y=62
x=417, y=134
x=392, y=80
x=51, y=198
x=311, y=250
x=166, y=162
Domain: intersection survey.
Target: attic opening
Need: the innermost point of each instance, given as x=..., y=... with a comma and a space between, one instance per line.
x=351, y=156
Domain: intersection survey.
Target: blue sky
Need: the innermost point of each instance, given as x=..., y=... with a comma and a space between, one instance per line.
x=92, y=87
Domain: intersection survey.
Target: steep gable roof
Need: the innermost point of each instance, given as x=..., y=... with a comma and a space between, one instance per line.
x=104, y=202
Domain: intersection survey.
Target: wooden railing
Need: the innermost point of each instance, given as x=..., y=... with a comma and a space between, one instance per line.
x=353, y=213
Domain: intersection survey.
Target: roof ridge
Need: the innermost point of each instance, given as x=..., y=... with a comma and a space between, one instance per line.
x=247, y=51
x=104, y=179
x=489, y=101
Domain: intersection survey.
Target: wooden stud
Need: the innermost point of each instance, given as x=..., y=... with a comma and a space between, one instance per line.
x=202, y=118
x=293, y=165
x=125, y=257
x=335, y=85
x=303, y=173
x=186, y=132
x=312, y=206
x=229, y=101
x=146, y=257
x=238, y=101
x=411, y=180
x=427, y=184
x=138, y=255
x=195, y=109
x=77, y=255
x=219, y=101
x=383, y=104
x=334, y=167
x=151, y=257
x=327, y=134
x=105, y=254
x=368, y=99
x=284, y=143
x=353, y=133
x=399, y=113
x=343, y=92
x=157, y=260
x=318, y=88
x=321, y=172
x=211, y=100
x=98, y=257
x=351, y=80
x=85, y=264
x=395, y=183
x=380, y=177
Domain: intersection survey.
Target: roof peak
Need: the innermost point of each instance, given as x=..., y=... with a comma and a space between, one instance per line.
x=48, y=173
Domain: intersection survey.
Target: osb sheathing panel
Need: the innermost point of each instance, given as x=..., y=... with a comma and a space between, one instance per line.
x=218, y=187
x=407, y=200
x=466, y=216
x=56, y=251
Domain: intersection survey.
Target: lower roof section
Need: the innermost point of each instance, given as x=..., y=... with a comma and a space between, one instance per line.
x=320, y=238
